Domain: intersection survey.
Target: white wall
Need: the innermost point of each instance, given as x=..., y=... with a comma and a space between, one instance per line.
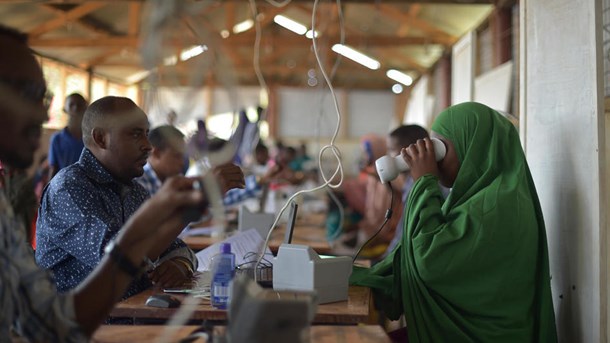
x=420, y=105
x=563, y=119
x=463, y=60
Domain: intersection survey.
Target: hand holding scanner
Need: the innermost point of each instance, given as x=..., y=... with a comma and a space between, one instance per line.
x=388, y=167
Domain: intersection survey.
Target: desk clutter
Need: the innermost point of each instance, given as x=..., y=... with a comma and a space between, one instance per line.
x=297, y=287
x=295, y=268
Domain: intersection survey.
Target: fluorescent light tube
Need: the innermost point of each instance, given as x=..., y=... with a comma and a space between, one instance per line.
x=356, y=56
x=243, y=26
x=193, y=51
x=170, y=61
x=309, y=34
x=137, y=77
x=290, y=24
x=399, y=76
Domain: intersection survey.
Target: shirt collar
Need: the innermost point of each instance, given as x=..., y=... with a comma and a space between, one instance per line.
x=96, y=171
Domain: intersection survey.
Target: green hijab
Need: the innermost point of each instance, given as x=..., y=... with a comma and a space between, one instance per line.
x=473, y=268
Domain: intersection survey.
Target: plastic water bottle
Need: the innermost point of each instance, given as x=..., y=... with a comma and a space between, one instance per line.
x=223, y=271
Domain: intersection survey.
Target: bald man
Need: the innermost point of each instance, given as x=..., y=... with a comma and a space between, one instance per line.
x=87, y=203
x=31, y=306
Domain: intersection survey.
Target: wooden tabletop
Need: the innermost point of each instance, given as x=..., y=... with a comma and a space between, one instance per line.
x=318, y=334
x=357, y=309
x=309, y=230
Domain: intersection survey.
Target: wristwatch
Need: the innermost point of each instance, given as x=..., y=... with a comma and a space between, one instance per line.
x=122, y=261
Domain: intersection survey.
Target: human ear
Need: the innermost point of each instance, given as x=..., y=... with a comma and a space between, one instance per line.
x=156, y=153
x=99, y=137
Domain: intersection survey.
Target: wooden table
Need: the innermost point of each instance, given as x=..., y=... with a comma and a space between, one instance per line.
x=309, y=230
x=319, y=334
x=357, y=309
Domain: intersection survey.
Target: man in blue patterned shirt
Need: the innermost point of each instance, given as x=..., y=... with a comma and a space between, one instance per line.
x=86, y=204
x=31, y=306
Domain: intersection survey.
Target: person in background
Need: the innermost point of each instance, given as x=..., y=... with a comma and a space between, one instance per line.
x=32, y=309
x=261, y=160
x=376, y=199
x=398, y=139
x=166, y=158
x=299, y=163
x=281, y=171
x=67, y=144
x=473, y=267
x=171, y=117
x=85, y=205
x=164, y=161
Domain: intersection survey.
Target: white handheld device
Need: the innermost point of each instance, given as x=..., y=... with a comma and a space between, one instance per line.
x=388, y=167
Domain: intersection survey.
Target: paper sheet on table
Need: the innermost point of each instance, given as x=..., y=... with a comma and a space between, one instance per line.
x=242, y=243
x=200, y=231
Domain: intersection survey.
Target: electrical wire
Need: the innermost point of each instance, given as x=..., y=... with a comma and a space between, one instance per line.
x=328, y=182
x=388, y=215
x=321, y=113
x=257, y=48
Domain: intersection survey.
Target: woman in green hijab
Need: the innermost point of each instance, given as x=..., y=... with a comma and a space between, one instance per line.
x=473, y=268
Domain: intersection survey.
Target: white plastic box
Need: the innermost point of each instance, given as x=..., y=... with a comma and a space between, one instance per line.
x=300, y=268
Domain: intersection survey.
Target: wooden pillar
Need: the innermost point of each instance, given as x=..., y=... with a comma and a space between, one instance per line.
x=444, y=98
x=501, y=30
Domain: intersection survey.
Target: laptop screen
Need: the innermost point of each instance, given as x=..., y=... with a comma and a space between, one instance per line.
x=292, y=217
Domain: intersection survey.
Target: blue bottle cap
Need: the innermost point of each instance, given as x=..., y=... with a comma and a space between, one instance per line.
x=225, y=248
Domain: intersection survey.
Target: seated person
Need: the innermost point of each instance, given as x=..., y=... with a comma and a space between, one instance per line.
x=167, y=157
x=282, y=168
x=369, y=195
x=261, y=160
x=86, y=204
x=474, y=267
x=31, y=307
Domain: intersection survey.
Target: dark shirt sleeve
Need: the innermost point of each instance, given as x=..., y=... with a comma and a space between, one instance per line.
x=53, y=151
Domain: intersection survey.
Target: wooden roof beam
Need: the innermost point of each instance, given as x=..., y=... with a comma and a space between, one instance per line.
x=135, y=13
x=387, y=54
x=80, y=22
x=237, y=41
x=395, y=14
x=71, y=15
x=405, y=26
x=101, y=58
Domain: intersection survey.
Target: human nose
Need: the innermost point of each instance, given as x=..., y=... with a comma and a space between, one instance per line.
x=146, y=146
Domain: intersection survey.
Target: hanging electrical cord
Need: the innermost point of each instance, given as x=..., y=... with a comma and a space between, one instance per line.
x=257, y=48
x=321, y=113
x=328, y=181
x=388, y=215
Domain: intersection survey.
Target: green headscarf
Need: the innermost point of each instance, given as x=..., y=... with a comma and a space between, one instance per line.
x=474, y=267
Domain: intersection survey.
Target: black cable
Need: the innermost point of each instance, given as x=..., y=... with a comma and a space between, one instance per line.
x=388, y=215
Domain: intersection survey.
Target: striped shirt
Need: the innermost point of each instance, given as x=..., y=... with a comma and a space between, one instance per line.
x=30, y=303
x=149, y=180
